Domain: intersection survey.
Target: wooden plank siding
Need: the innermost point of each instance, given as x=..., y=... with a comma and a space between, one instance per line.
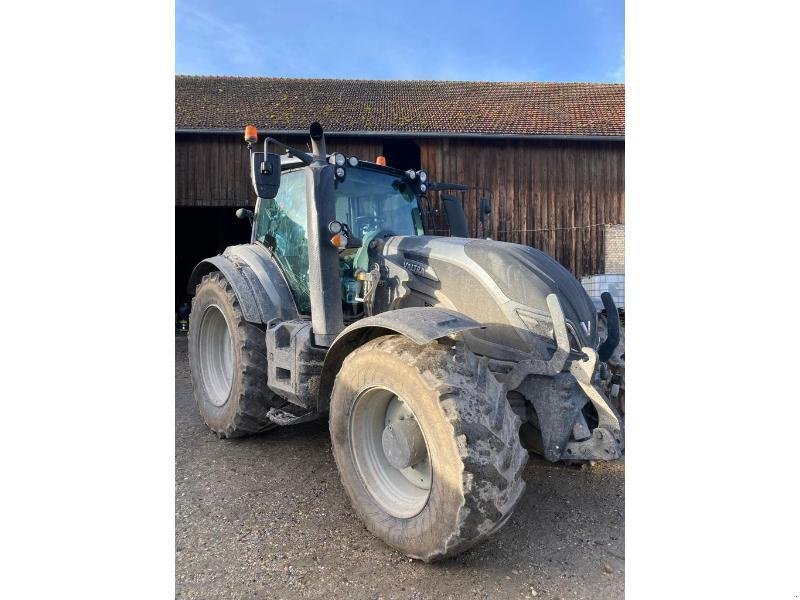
x=553, y=195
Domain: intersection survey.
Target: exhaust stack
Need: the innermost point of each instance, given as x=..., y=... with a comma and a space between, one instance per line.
x=325, y=289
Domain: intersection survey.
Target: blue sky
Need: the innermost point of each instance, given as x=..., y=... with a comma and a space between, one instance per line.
x=509, y=40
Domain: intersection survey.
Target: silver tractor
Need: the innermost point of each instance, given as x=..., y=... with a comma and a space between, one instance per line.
x=439, y=362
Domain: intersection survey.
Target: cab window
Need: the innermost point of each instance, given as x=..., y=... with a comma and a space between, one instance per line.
x=281, y=227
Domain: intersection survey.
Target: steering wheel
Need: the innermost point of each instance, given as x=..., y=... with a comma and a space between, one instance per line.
x=368, y=221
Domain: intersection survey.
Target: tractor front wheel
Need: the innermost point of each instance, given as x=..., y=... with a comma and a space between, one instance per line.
x=426, y=444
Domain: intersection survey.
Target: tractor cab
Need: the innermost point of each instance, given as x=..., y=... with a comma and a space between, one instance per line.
x=372, y=201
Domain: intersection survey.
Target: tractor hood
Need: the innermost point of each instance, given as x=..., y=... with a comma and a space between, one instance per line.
x=504, y=286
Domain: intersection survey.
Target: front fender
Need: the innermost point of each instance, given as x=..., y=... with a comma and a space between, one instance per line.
x=422, y=325
x=242, y=289
x=256, y=279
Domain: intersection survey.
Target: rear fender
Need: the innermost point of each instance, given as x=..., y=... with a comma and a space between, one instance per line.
x=421, y=325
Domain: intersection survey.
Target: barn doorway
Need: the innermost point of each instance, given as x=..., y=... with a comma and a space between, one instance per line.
x=402, y=154
x=201, y=232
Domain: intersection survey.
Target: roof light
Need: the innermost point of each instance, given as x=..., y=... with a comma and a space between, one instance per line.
x=250, y=134
x=381, y=160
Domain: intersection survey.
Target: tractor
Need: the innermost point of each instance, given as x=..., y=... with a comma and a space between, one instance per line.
x=439, y=362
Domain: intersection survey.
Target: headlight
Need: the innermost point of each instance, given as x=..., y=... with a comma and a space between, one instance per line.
x=353, y=161
x=423, y=188
x=411, y=174
x=339, y=159
x=340, y=172
x=423, y=176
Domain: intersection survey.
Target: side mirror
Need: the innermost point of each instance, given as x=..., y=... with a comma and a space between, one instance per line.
x=244, y=213
x=485, y=208
x=456, y=219
x=265, y=170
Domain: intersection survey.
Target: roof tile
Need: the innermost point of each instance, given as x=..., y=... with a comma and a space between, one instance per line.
x=352, y=105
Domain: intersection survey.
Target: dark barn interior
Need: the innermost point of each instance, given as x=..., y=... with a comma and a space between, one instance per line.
x=201, y=232
x=402, y=153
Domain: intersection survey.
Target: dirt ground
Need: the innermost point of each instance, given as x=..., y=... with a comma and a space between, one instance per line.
x=266, y=517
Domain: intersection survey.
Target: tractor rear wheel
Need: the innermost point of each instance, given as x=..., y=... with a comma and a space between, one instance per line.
x=426, y=444
x=228, y=360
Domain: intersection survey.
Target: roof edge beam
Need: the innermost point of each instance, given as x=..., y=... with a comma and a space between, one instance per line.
x=413, y=134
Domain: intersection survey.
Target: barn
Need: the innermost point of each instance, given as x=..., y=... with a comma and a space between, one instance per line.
x=550, y=156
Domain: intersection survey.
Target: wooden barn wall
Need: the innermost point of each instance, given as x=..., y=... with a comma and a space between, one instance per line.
x=213, y=170
x=555, y=196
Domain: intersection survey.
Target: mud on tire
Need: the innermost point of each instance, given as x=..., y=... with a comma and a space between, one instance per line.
x=471, y=433
x=244, y=410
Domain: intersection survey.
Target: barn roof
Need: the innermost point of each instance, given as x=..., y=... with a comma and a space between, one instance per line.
x=420, y=107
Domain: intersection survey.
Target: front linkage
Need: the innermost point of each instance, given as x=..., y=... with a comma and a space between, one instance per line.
x=558, y=390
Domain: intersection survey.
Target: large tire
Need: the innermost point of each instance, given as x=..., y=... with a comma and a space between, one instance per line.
x=229, y=370
x=469, y=429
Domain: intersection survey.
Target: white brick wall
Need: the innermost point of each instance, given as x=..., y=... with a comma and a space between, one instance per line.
x=613, y=280
x=615, y=249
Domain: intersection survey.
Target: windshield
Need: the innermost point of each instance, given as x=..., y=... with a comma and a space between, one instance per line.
x=368, y=201
x=372, y=201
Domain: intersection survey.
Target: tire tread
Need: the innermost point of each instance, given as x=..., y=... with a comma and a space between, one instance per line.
x=254, y=397
x=485, y=431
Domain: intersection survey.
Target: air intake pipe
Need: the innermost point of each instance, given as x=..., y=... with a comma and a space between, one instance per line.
x=325, y=290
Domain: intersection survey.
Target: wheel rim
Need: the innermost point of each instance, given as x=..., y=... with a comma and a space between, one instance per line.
x=216, y=355
x=390, y=452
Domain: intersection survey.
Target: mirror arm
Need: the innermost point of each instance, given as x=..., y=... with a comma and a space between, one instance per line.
x=303, y=156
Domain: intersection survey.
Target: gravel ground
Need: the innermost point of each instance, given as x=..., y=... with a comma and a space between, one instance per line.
x=266, y=517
